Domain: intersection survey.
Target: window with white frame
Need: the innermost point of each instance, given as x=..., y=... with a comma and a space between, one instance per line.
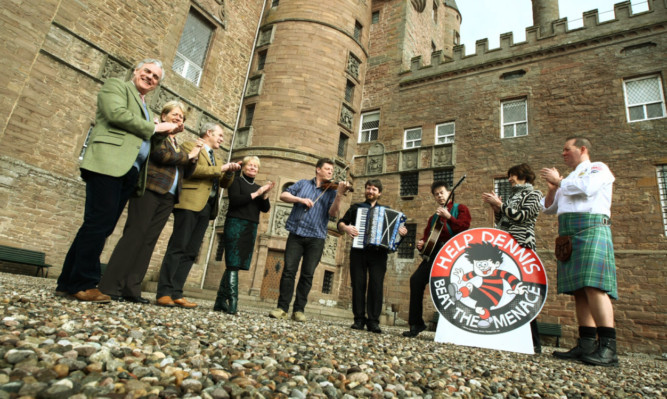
x=191, y=53
x=661, y=170
x=502, y=187
x=514, y=115
x=444, y=133
x=413, y=138
x=644, y=98
x=369, y=127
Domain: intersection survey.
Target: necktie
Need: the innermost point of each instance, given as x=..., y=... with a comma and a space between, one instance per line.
x=214, y=189
x=143, y=104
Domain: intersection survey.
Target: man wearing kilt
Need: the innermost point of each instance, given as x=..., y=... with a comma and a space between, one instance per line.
x=582, y=201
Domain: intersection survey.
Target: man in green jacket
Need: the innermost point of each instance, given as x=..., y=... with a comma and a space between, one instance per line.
x=116, y=155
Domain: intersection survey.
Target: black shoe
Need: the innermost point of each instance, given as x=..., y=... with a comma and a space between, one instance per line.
x=374, y=328
x=585, y=346
x=117, y=298
x=136, y=299
x=358, y=325
x=605, y=355
x=414, y=331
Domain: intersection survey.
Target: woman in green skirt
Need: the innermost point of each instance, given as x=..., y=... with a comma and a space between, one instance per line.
x=246, y=200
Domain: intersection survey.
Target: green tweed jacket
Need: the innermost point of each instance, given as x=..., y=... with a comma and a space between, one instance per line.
x=120, y=128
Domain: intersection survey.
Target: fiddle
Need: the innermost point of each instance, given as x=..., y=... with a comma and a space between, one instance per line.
x=332, y=185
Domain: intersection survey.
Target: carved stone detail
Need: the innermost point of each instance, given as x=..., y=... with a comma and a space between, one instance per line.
x=280, y=216
x=346, y=117
x=442, y=156
x=113, y=69
x=374, y=164
x=410, y=160
x=243, y=137
x=329, y=253
x=376, y=149
x=353, y=64
x=254, y=86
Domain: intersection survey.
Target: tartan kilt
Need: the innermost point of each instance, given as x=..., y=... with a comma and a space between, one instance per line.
x=592, y=262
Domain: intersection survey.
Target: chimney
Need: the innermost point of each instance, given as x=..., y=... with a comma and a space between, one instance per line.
x=545, y=12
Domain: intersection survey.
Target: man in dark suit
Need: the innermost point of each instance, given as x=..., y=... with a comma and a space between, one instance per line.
x=197, y=206
x=116, y=154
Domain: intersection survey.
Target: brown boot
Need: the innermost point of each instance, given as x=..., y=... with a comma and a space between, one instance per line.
x=92, y=295
x=165, y=301
x=184, y=303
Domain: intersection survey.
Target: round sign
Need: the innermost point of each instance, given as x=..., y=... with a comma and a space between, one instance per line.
x=484, y=282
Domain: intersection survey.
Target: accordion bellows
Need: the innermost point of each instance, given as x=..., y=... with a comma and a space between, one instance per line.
x=378, y=227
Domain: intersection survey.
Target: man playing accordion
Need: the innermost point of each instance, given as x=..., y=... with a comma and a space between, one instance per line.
x=367, y=264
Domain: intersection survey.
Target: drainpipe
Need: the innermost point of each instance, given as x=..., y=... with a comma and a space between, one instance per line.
x=231, y=146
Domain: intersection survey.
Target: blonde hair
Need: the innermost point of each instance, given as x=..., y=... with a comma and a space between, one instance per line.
x=170, y=106
x=249, y=158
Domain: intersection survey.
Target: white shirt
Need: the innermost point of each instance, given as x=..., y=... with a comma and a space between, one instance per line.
x=586, y=190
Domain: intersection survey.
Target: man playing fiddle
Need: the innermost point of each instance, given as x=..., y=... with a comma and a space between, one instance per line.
x=454, y=218
x=314, y=203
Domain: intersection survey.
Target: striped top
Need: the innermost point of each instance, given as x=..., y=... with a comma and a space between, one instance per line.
x=518, y=214
x=310, y=222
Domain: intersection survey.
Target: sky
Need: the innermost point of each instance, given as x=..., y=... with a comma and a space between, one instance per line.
x=490, y=18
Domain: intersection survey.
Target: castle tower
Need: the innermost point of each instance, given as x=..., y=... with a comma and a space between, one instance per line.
x=302, y=103
x=544, y=12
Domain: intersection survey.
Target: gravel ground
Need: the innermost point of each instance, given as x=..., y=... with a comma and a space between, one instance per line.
x=52, y=347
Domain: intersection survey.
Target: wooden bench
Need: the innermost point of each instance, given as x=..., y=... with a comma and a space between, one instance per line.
x=25, y=257
x=550, y=330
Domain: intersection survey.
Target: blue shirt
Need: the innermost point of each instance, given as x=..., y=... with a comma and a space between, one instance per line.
x=310, y=222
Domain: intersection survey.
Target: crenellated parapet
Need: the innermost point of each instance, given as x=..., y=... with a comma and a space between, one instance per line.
x=542, y=42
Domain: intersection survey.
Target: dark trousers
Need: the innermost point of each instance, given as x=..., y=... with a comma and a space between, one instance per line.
x=189, y=230
x=418, y=282
x=146, y=217
x=106, y=197
x=297, y=247
x=367, y=269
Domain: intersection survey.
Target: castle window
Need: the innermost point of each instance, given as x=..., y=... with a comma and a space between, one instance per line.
x=514, y=116
x=349, y=91
x=375, y=17
x=369, y=128
x=249, y=114
x=406, y=249
x=327, y=282
x=433, y=47
x=457, y=38
x=435, y=11
x=409, y=184
x=342, y=145
x=357, y=30
x=261, y=60
x=644, y=98
x=192, y=49
x=274, y=3
x=502, y=187
x=444, y=133
x=662, y=189
x=446, y=175
x=413, y=138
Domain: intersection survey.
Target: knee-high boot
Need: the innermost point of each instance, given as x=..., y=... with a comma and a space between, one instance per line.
x=222, y=299
x=233, y=291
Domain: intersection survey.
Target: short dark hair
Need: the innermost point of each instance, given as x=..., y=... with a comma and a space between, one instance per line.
x=374, y=182
x=441, y=183
x=523, y=172
x=322, y=161
x=484, y=251
x=580, y=141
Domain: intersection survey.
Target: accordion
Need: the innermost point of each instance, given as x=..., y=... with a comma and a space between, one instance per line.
x=378, y=227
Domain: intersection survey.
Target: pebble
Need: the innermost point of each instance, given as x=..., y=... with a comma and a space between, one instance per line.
x=53, y=347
